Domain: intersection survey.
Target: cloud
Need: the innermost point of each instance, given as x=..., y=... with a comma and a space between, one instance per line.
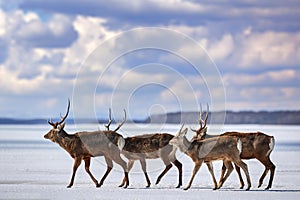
x=58, y=32
x=263, y=98
x=230, y=16
x=3, y=52
x=133, y=12
x=2, y=23
x=285, y=77
x=220, y=50
x=255, y=45
x=268, y=49
x=271, y=90
x=13, y=85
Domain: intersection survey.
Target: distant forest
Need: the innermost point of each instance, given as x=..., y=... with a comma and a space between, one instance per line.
x=242, y=117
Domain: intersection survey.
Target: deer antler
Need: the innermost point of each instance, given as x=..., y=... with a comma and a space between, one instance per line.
x=110, y=120
x=200, y=118
x=194, y=130
x=123, y=121
x=206, y=117
x=181, y=127
x=201, y=122
x=66, y=115
x=62, y=118
x=51, y=123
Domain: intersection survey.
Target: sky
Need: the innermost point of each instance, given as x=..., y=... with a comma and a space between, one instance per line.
x=148, y=57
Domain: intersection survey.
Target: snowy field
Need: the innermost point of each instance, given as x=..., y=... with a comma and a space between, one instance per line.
x=34, y=168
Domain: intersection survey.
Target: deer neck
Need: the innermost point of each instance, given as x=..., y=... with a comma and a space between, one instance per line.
x=185, y=145
x=66, y=141
x=189, y=148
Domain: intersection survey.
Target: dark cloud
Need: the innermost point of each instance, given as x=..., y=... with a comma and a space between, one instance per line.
x=276, y=15
x=50, y=40
x=46, y=38
x=127, y=13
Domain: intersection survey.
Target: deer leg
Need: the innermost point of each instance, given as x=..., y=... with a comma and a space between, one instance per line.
x=109, y=164
x=168, y=167
x=261, y=179
x=268, y=166
x=77, y=162
x=222, y=172
x=271, y=176
x=87, y=169
x=130, y=165
x=244, y=167
x=211, y=171
x=238, y=170
x=179, y=167
x=172, y=158
x=117, y=158
x=229, y=167
x=195, y=170
x=143, y=164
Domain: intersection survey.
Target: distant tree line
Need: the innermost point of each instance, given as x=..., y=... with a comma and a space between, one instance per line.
x=228, y=117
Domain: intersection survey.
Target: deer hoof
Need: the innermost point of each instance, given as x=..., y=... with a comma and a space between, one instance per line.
x=259, y=185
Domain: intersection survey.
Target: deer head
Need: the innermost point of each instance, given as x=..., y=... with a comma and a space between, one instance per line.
x=57, y=126
x=201, y=132
x=110, y=120
x=178, y=139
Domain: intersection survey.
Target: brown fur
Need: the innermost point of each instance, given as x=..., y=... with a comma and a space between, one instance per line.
x=84, y=145
x=222, y=148
x=151, y=146
x=254, y=145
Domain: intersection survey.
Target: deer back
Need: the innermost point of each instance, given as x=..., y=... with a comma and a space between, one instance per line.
x=148, y=145
x=216, y=148
x=99, y=143
x=253, y=144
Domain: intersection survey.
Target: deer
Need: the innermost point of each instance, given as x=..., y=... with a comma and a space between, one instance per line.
x=85, y=145
x=150, y=146
x=256, y=145
x=223, y=148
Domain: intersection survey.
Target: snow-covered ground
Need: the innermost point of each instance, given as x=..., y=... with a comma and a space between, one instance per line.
x=34, y=168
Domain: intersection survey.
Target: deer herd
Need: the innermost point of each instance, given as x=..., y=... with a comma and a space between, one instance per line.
x=229, y=147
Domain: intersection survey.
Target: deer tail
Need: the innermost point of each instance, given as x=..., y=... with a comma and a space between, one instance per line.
x=271, y=145
x=239, y=145
x=121, y=143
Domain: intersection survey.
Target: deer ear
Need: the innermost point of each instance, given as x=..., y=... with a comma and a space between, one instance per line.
x=183, y=133
x=61, y=126
x=203, y=132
